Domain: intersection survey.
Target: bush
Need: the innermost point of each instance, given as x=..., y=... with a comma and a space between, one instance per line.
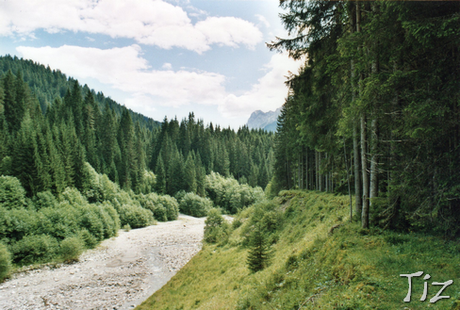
x=44, y=200
x=5, y=262
x=160, y=213
x=60, y=222
x=12, y=194
x=91, y=220
x=17, y=223
x=109, y=189
x=135, y=216
x=92, y=188
x=216, y=229
x=230, y=195
x=34, y=249
x=73, y=197
x=111, y=220
x=164, y=207
x=71, y=249
x=194, y=205
x=89, y=240
x=147, y=183
x=180, y=195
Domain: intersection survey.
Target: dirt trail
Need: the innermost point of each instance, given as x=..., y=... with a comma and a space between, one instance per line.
x=119, y=274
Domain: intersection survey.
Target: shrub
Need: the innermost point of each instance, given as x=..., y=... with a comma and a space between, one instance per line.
x=92, y=188
x=172, y=207
x=109, y=189
x=60, y=222
x=180, y=195
x=71, y=249
x=216, y=229
x=160, y=213
x=73, y=197
x=89, y=240
x=44, y=200
x=34, y=249
x=5, y=262
x=17, y=223
x=147, y=183
x=91, y=220
x=194, y=205
x=111, y=220
x=135, y=216
x=12, y=194
x=230, y=195
x=164, y=207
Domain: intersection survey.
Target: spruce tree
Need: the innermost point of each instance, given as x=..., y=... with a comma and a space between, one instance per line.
x=160, y=185
x=259, y=253
x=190, y=174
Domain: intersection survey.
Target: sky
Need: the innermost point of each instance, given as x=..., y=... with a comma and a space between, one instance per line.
x=159, y=57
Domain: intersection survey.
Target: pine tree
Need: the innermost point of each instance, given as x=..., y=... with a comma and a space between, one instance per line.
x=190, y=174
x=160, y=186
x=259, y=253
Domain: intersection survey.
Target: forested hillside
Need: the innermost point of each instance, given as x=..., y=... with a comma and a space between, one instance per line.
x=375, y=109
x=76, y=165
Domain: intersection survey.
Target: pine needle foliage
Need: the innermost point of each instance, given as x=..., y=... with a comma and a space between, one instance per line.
x=260, y=252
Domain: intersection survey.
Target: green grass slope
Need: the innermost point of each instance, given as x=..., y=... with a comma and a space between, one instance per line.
x=319, y=261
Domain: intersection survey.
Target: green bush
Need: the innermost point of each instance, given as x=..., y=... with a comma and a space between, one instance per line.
x=44, y=200
x=91, y=220
x=194, y=205
x=160, y=213
x=60, y=222
x=111, y=220
x=73, y=197
x=5, y=262
x=92, y=188
x=180, y=195
x=135, y=216
x=230, y=195
x=89, y=240
x=71, y=249
x=109, y=189
x=34, y=249
x=147, y=183
x=164, y=207
x=17, y=223
x=12, y=194
x=216, y=229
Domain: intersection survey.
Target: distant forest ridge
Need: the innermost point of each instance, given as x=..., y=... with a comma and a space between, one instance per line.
x=52, y=125
x=47, y=85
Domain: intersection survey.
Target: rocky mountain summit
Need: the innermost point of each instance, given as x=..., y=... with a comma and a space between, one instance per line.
x=264, y=120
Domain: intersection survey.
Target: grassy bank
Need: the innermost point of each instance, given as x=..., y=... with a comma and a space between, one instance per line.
x=320, y=260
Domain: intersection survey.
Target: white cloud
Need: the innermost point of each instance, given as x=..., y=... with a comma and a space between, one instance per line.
x=263, y=20
x=124, y=69
x=152, y=22
x=167, y=66
x=269, y=92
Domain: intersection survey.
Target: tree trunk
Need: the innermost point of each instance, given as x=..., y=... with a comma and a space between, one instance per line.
x=365, y=213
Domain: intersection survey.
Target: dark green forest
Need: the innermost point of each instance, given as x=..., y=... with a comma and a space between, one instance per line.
x=374, y=111
x=75, y=165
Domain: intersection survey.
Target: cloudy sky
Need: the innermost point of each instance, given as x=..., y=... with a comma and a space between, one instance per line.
x=159, y=57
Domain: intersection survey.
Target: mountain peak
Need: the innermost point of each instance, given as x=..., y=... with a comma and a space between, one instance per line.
x=264, y=120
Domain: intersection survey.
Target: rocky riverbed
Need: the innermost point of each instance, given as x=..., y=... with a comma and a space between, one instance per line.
x=119, y=274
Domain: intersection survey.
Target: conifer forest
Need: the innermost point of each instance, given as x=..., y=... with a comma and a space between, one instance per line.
x=75, y=164
x=373, y=113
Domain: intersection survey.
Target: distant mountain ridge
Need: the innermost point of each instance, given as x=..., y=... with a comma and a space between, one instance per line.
x=264, y=120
